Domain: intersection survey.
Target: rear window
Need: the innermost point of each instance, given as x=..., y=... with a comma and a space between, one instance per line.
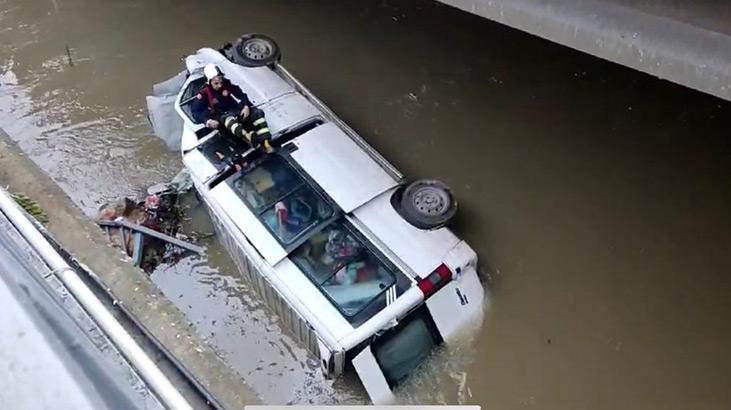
x=340, y=264
x=399, y=352
x=281, y=199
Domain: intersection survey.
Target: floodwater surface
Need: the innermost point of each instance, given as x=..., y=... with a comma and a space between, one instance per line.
x=597, y=197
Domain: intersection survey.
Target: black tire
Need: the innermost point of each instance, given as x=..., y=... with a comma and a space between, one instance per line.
x=255, y=50
x=427, y=204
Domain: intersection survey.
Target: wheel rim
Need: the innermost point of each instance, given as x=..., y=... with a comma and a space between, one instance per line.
x=257, y=49
x=430, y=201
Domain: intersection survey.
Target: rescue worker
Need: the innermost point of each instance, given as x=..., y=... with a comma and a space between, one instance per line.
x=221, y=102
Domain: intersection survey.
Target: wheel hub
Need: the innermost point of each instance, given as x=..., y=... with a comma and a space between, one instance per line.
x=430, y=201
x=257, y=49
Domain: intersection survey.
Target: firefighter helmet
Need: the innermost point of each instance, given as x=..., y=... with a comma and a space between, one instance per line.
x=211, y=71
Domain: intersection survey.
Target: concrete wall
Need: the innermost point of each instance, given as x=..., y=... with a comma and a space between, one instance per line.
x=131, y=288
x=685, y=42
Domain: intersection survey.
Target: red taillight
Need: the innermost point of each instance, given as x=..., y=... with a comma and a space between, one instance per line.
x=432, y=283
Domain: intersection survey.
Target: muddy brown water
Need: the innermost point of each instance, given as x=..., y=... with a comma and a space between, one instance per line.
x=598, y=198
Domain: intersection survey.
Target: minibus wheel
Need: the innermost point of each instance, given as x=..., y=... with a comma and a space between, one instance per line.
x=256, y=50
x=427, y=204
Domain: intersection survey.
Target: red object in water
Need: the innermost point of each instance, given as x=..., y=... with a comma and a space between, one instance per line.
x=152, y=202
x=151, y=223
x=108, y=215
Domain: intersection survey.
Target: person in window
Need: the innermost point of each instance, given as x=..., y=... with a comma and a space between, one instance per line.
x=221, y=102
x=296, y=213
x=342, y=246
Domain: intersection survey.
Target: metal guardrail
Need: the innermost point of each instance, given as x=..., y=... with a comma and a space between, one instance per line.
x=146, y=367
x=101, y=289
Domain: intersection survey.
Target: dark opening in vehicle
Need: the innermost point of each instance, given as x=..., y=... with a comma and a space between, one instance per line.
x=295, y=131
x=402, y=349
x=189, y=95
x=220, y=148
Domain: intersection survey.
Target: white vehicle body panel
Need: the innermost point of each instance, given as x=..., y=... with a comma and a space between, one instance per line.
x=189, y=140
x=340, y=167
x=372, y=377
x=423, y=251
x=287, y=110
x=199, y=165
x=457, y=306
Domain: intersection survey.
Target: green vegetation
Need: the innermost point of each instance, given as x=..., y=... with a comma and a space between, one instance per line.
x=31, y=207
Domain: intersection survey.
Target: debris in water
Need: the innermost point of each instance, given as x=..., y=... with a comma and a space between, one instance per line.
x=68, y=54
x=147, y=230
x=462, y=380
x=8, y=78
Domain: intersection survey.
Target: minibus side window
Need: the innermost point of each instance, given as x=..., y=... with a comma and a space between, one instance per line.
x=281, y=199
x=349, y=274
x=266, y=184
x=295, y=213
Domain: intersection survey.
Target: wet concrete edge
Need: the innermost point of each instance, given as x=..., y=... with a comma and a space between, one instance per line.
x=99, y=369
x=130, y=286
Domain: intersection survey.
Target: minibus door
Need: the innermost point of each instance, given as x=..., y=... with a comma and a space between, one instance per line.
x=372, y=377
